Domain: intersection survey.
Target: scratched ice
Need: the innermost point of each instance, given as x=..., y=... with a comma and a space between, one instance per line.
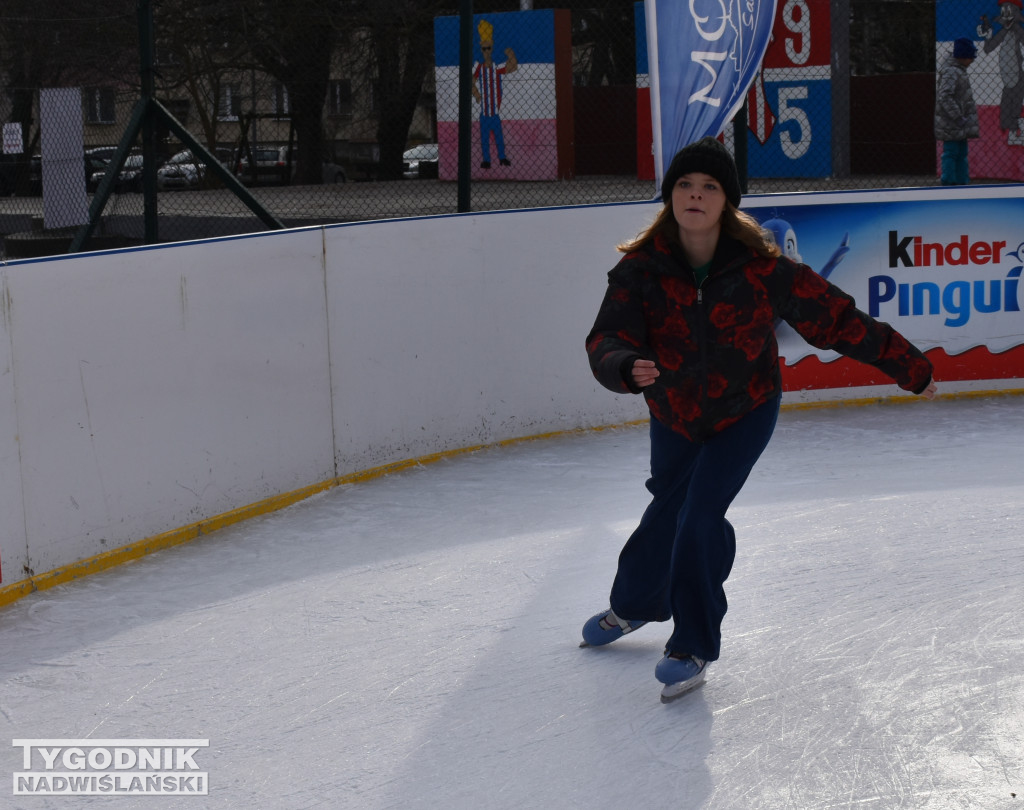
x=411, y=642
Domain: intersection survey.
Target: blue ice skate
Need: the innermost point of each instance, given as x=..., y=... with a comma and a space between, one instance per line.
x=605, y=628
x=680, y=674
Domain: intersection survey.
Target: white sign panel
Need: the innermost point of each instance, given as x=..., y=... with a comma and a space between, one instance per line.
x=13, y=143
x=63, y=153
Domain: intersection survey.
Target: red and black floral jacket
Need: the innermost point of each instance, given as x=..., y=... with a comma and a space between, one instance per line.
x=715, y=345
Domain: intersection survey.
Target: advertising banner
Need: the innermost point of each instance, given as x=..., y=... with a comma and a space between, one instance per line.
x=950, y=283
x=789, y=105
x=644, y=137
x=996, y=27
x=702, y=57
x=522, y=95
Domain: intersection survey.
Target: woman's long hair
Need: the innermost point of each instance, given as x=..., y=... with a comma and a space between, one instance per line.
x=740, y=226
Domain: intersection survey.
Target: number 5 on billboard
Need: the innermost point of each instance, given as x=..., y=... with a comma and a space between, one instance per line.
x=793, y=148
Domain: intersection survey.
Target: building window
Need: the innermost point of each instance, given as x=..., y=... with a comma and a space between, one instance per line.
x=229, y=105
x=282, y=106
x=99, y=105
x=341, y=98
x=179, y=108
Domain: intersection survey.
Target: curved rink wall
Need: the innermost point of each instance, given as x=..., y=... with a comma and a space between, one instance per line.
x=152, y=395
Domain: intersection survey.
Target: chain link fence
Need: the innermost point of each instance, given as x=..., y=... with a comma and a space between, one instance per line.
x=324, y=111
x=996, y=75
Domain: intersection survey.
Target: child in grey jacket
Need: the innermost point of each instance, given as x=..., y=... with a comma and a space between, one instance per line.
x=956, y=116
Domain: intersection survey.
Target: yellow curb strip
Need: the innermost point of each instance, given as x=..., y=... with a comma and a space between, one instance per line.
x=175, y=537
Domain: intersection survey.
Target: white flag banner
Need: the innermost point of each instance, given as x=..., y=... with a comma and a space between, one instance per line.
x=703, y=56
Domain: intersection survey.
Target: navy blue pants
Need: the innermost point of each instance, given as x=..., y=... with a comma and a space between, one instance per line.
x=675, y=564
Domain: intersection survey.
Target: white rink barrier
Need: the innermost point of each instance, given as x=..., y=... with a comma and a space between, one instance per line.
x=155, y=394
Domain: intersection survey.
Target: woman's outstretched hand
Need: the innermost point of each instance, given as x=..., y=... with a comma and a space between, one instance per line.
x=644, y=373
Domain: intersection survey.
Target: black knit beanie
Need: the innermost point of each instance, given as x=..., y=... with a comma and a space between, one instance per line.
x=709, y=156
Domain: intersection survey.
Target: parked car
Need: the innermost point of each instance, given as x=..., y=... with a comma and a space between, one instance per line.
x=127, y=180
x=182, y=170
x=185, y=171
x=104, y=153
x=420, y=161
x=271, y=167
x=93, y=165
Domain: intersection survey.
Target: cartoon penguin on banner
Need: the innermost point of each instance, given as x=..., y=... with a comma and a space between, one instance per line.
x=785, y=237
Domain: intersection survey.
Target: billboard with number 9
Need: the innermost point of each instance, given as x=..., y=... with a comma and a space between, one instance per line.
x=789, y=106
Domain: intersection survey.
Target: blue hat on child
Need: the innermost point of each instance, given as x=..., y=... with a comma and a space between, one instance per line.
x=963, y=48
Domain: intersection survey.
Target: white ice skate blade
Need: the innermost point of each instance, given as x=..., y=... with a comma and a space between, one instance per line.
x=674, y=691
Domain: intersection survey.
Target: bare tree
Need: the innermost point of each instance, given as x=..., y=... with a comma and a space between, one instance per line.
x=50, y=43
x=402, y=54
x=892, y=36
x=600, y=31
x=199, y=47
x=294, y=41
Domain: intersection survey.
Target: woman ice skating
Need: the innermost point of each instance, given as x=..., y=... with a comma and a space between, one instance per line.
x=687, y=320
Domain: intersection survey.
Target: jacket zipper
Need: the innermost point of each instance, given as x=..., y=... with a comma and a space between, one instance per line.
x=703, y=338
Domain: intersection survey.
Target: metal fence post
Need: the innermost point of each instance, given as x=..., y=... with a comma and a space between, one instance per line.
x=465, y=102
x=739, y=133
x=147, y=70
x=840, y=24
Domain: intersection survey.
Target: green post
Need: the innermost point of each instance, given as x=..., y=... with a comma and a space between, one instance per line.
x=147, y=70
x=465, y=104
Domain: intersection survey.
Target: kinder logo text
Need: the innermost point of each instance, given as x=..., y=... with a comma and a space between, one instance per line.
x=110, y=768
x=913, y=251
x=956, y=299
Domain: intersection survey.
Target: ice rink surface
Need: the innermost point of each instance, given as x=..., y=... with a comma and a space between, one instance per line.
x=411, y=642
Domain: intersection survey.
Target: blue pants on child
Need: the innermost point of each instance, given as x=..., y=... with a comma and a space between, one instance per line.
x=954, y=163
x=675, y=563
